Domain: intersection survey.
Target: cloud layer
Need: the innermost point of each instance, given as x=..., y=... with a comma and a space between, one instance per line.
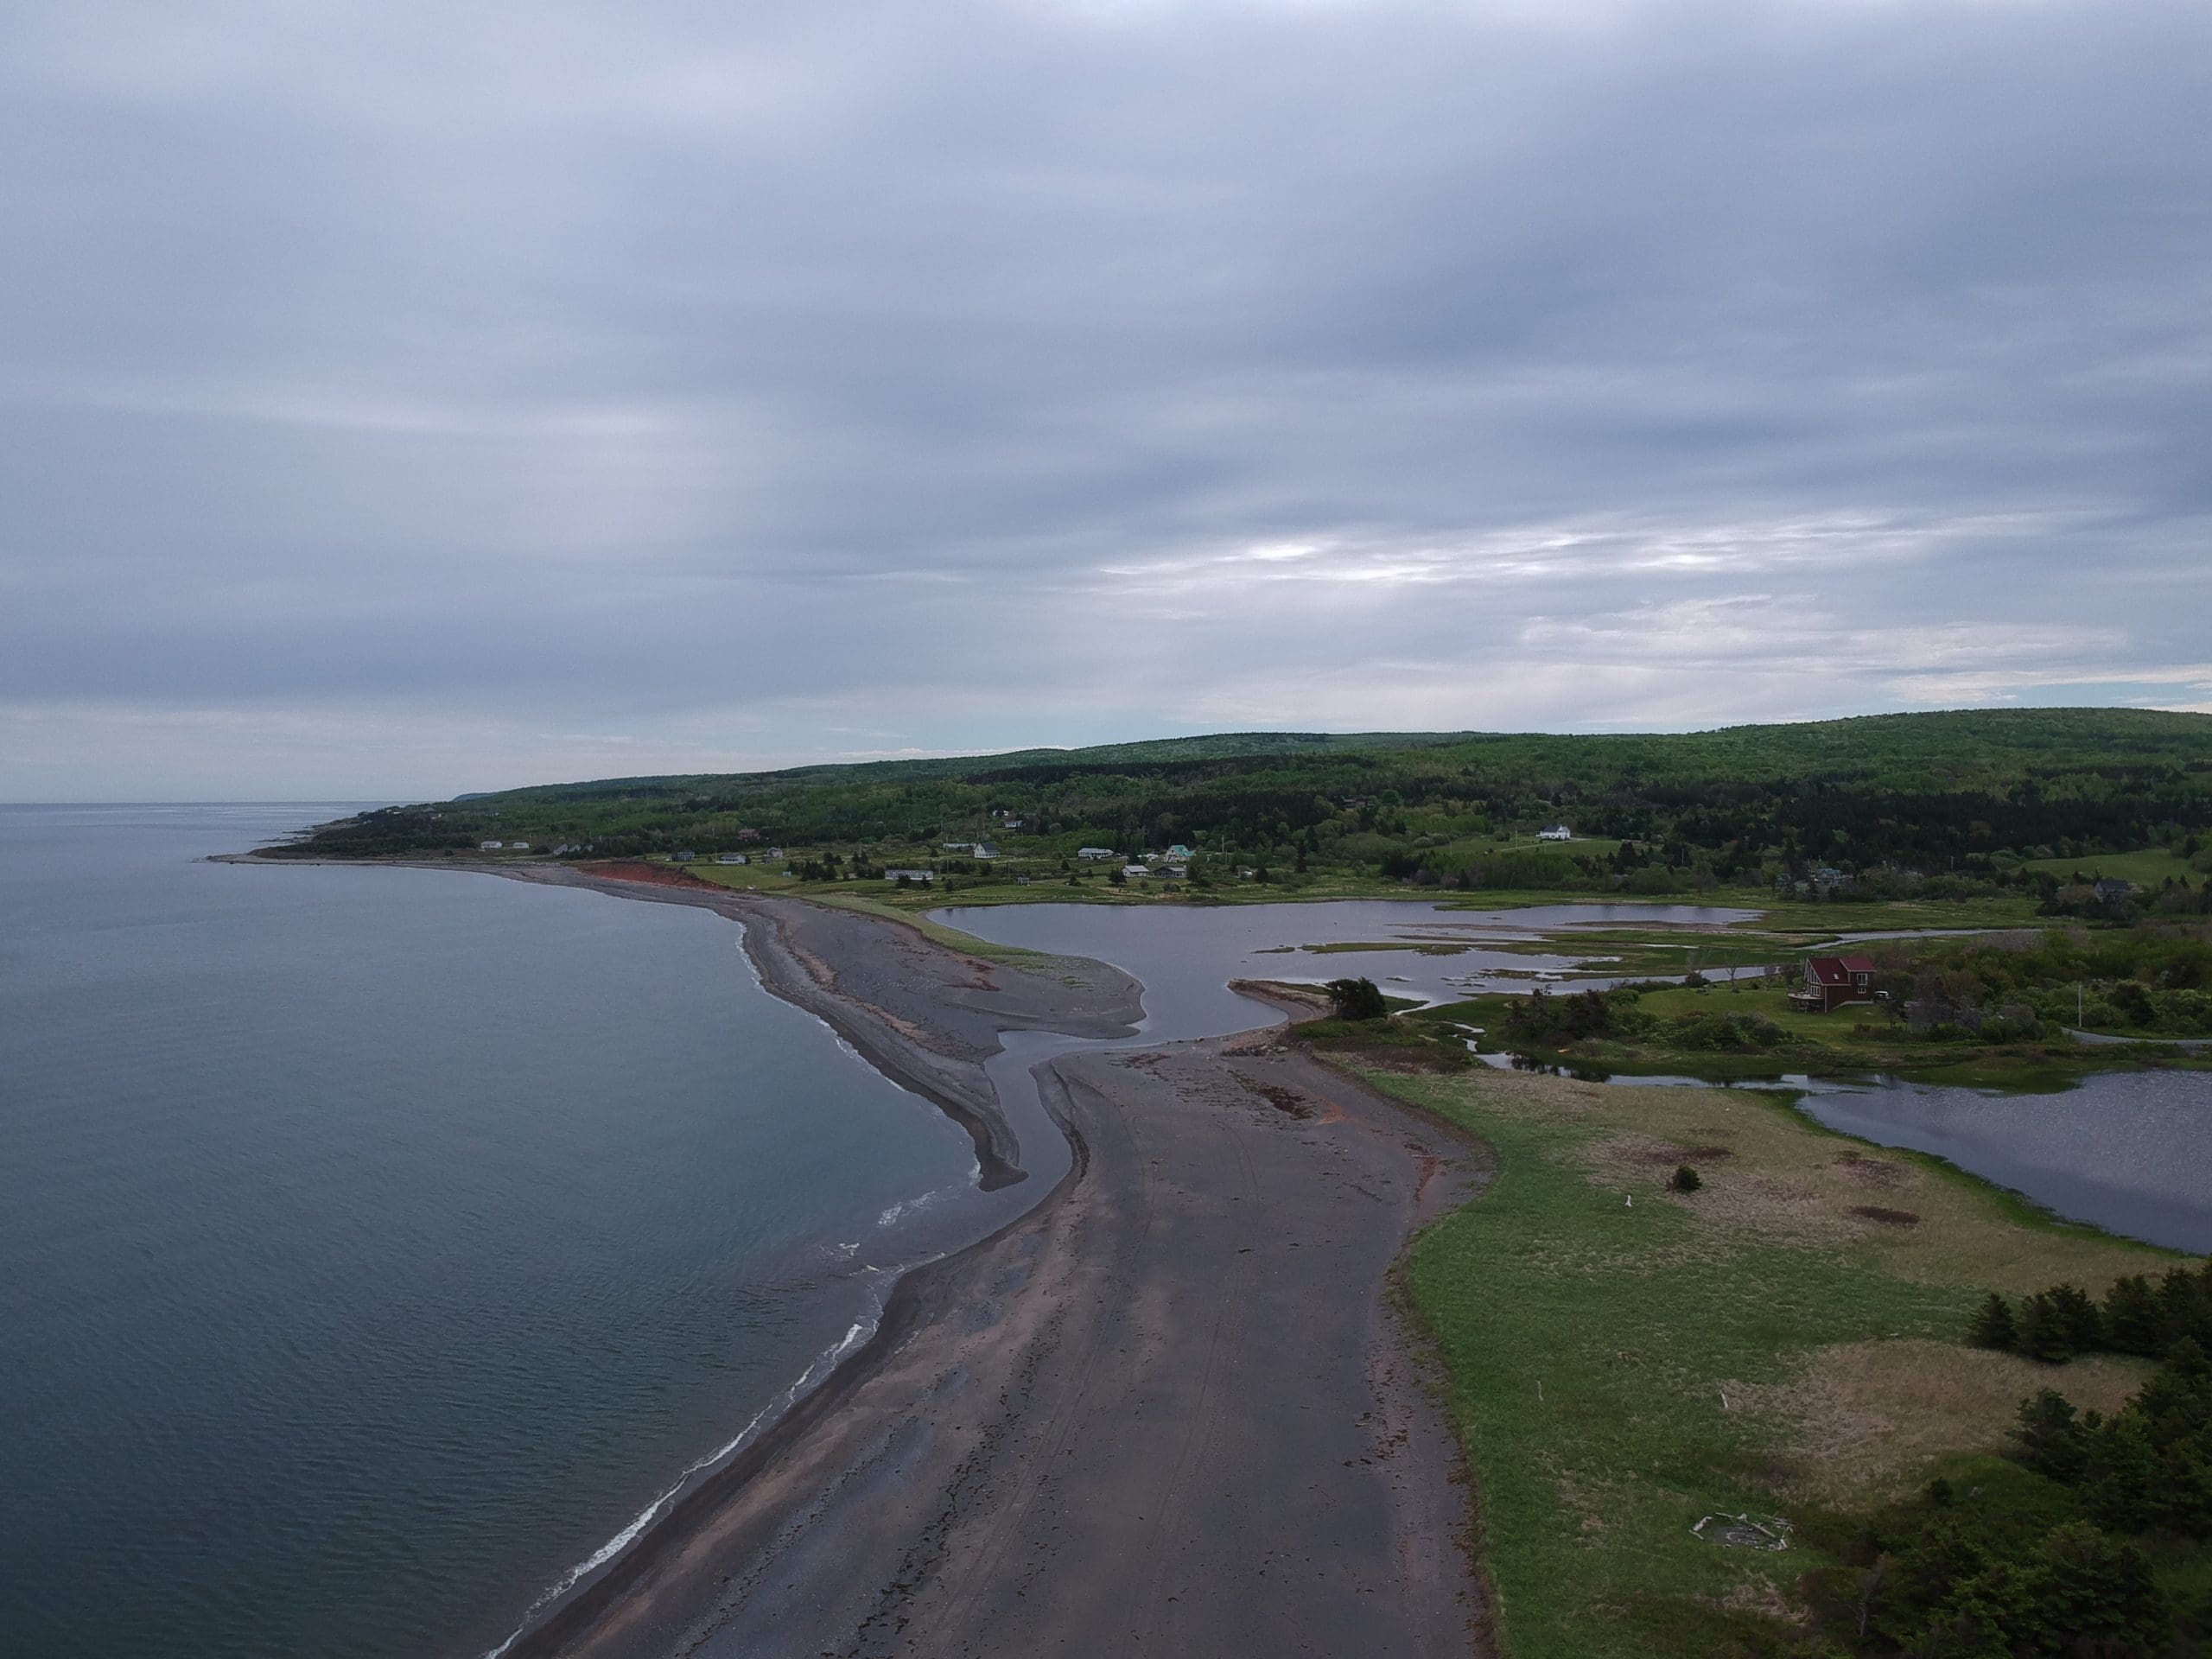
x=399, y=399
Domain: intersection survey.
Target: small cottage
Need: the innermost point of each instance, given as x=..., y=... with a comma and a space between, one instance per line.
x=1555, y=832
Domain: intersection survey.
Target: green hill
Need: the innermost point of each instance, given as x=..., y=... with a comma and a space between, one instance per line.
x=1998, y=796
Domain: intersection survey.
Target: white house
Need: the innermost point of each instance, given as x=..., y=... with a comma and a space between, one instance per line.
x=1554, y=832
x=521, y=847
x=984, y=850
x=489, y=846
x=910, y=875
x=1136, y=869
x=1093, y=853
x=956, y=846
x=730, y=858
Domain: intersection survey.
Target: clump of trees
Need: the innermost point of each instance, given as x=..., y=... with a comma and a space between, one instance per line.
x=1542, y=1020
x=2138, y=1316
x=2147, y=1467
x=2151, y=979
x=2062, y=1557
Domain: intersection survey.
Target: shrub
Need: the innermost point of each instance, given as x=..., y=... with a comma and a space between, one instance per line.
x=1356, y=999
x=1686, y=1179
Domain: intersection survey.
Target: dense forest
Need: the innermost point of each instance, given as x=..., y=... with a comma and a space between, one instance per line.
x=1865, y=807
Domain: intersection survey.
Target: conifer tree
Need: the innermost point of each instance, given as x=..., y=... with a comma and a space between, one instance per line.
x=2050, y=1438
x=1993, y=1326
x=2133, y=1323
x=2042, y=1332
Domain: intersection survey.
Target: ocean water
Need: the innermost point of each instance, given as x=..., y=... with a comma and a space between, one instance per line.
x=377, y=1244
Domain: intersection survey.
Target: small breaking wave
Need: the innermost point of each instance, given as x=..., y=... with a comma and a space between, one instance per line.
x=862, y=1329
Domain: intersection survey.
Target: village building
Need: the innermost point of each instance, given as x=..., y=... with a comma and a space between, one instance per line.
x=910, y=875
x=1831, y=981
x=1180, y=852
x=1136, y=869
x=984, y=850
x=1093, y=853
x=1554, y=832
x=748, y=834
x=687, y=856
x=489, y=846
x=730, y=858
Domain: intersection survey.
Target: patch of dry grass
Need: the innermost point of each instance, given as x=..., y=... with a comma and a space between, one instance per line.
x=1860, y=1422
x=1774, y=1176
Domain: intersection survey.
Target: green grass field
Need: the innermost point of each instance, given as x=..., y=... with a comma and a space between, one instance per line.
x=1619, y=1370
x=2150, y=867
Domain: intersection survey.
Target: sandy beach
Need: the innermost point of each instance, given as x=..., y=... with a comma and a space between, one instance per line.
x=1167, y=1409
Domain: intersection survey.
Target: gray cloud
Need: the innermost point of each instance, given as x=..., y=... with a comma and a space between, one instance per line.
x=395, y=399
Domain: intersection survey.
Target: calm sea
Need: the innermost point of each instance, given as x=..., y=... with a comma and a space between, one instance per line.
x=376, y=1244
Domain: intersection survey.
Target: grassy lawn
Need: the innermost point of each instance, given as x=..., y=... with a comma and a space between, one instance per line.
x=1773, y=1002
x=1762, y=1346
x=2148, y=869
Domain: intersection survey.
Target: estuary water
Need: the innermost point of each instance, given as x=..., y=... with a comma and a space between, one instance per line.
x=1186, y=955
x=2131, y=1151
x=377, y=1244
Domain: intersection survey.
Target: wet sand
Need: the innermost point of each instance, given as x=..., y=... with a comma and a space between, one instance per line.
x=1168, y=1409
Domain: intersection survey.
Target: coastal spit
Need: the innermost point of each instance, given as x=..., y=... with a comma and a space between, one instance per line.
x=1167, y=1409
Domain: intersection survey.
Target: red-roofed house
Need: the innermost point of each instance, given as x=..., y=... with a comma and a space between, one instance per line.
x=1831, y=981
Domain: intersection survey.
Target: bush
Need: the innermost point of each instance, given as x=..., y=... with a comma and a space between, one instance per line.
x=1356, y=999
x=1724, y=1032
x=1686, y=1179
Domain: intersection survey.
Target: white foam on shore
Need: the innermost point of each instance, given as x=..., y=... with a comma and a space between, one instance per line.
x=862, y=1330
x=908, y=1207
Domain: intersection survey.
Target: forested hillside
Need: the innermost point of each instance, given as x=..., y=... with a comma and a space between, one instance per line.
x=1975, y=798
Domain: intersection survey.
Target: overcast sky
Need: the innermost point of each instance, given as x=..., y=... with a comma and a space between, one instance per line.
x=402, y=398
